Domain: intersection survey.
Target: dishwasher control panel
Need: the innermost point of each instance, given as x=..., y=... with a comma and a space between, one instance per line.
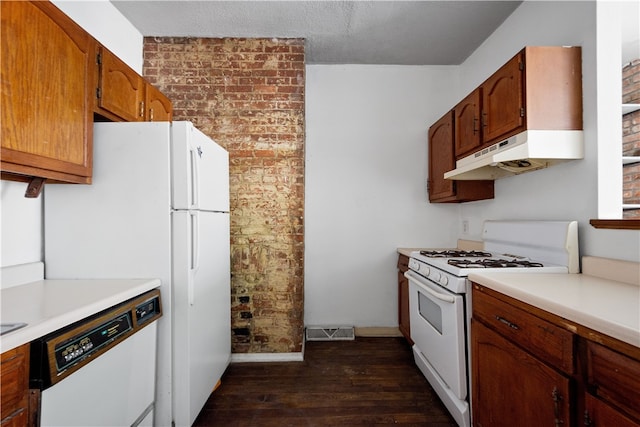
x=60, y=353
x=87, y=342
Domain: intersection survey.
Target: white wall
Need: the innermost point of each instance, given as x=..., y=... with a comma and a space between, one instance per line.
x=21, y=229
x=366, y=172
x=566, y=191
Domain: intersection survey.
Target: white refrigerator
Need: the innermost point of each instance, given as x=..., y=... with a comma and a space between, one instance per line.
x=158, y=208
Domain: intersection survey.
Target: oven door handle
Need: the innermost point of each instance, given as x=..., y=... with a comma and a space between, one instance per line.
x=416, y=278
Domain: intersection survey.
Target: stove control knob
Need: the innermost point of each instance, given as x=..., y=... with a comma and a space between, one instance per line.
x=436, y=276
x=444, y=280
x=426, y=269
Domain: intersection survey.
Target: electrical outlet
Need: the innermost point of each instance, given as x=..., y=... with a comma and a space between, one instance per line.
x=465, y=227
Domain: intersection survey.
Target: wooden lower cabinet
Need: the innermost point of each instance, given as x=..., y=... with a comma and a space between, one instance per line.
x=613, y=380
x=512, y=387
x=598, y=413
x=403, y=298
x=14, y=383
x=533, y=368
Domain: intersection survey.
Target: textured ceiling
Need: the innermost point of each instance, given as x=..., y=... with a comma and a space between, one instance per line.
x=336, y=32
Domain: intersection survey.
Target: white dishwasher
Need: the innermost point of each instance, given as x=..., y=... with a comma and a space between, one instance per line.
x=100, y=371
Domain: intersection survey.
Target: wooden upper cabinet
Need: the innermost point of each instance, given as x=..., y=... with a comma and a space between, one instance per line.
x=502, y=100
x=121, y=91
x=46, y=128
x=158, y=106
x=467, y=134
x=540, y=88
x=54, y=76
x=441, y=160
x=124, y=95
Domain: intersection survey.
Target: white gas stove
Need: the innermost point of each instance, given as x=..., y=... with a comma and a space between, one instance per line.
x=537, y=246
x=440, y=302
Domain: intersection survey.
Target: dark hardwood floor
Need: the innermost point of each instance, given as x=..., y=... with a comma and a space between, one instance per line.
x=365, y=382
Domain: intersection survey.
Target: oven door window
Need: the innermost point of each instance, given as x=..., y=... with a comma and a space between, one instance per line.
x=430, y=311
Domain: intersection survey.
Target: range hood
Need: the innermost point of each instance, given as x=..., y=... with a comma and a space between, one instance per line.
x=525, y=152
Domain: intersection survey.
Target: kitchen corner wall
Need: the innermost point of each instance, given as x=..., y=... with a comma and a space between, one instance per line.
x=248, y=95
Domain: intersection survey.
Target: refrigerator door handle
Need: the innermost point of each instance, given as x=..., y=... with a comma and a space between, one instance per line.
x=195, y=250
x=195, y=177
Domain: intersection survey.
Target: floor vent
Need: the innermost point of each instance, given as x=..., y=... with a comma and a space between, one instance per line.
x=333, y=333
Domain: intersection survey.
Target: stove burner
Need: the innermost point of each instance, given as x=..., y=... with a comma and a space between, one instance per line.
x=492, y=263
x=455, y=253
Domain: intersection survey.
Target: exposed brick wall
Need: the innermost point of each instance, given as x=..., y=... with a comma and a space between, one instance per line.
x=631, y=137
x=248, y=95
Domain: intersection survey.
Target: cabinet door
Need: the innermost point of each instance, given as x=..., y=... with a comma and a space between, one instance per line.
x=403, y=298
x=121, y=89
x=14, y=381
x=46, y=93
x=403, y=306
x=467, y=125
x=513, y=388
x=614, y=377
x=600, y=414
x=441, y=158
x=159, y=108
x=503, y=101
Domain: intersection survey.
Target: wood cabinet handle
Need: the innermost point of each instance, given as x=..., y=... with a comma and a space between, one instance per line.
x=475, y=125
x=484, y=119
x=34, y=188
x=142, y=109
x=150, y=114
x=506, y=322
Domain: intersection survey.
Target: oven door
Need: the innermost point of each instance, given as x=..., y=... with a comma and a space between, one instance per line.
x=437, y=329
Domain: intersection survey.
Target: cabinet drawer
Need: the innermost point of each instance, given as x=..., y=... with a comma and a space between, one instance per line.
x=614, y=377
x=14, y=380
x=539, y=337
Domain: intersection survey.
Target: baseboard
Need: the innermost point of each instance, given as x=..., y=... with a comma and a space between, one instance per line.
x=268, y=357
x=378, y=332
x=299, y=357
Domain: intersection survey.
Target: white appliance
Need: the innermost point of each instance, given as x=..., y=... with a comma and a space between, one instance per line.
x=158, y=207
x=440, y=296
x=103, y=362
x=527, y=151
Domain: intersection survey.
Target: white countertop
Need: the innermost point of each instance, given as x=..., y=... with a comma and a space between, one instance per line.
x=607, y=306
x=48, y=305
